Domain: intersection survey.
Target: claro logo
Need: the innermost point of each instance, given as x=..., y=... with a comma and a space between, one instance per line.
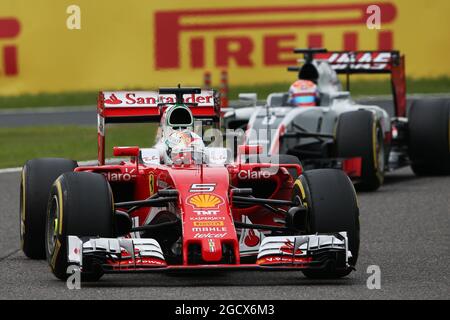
x=309, y=22
x=9, y=29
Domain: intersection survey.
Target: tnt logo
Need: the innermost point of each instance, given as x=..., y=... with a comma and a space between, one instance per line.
x=308, y=21
x=9, y=29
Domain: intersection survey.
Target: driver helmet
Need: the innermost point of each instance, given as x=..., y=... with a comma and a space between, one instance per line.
x=182, y=146
x=175, y=117
x=303, y=93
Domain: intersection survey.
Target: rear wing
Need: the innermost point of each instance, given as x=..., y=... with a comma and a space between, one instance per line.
x=365, y=62
x=149, y=106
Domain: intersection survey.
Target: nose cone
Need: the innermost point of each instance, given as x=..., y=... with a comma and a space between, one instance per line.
x=211, y=250
x=209, y=234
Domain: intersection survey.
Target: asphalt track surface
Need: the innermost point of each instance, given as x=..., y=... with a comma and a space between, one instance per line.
x=404, y=230
x=85, y=115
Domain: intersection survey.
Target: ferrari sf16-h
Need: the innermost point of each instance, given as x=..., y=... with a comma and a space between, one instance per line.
x=183, y=206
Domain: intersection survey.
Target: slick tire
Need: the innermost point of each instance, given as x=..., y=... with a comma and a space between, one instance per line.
x=332, y=206
x=359, y=135
x=80, y=204
x=429, y=137
x=37, y=178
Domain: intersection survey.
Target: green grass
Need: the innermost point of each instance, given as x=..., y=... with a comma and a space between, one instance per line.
x=49, y=100
x=359, y=87
x=73, y=142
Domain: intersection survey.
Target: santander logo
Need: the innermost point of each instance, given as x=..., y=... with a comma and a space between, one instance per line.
x=153, y=98
x=113, y=100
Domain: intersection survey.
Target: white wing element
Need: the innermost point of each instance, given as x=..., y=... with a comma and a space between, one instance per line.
x=303, y=246
x=119, y=249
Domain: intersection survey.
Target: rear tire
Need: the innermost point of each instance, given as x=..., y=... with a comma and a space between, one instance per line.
x=80, y=204
x=38, y=176
x=359, y=135
x=429, y=137
x=332, y=206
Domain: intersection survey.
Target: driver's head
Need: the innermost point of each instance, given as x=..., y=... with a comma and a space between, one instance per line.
x=177, y=117
x=182, y=145
x=177, y=141
x=303, y=93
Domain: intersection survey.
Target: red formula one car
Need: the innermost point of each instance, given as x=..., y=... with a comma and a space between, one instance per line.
x=184, y=206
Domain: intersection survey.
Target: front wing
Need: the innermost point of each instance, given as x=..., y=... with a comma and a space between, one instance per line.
x=115, y=255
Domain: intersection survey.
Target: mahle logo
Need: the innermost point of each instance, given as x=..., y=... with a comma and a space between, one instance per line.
x=287, y=26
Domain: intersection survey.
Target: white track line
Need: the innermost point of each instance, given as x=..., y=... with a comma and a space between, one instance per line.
x=10, y=170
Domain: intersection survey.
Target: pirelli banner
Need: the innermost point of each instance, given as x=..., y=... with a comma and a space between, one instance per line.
x=75, y=45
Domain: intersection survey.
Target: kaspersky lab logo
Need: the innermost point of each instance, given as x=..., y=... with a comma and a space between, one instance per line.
x=9, y=30
x=294, y=23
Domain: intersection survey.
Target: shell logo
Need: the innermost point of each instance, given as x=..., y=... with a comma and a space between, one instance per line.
x=205, y=201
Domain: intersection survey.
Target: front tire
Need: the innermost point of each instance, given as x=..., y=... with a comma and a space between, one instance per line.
x=37, y=178
x=80, y=204
x=332, y=207
x=359, y=135
x=429, y=137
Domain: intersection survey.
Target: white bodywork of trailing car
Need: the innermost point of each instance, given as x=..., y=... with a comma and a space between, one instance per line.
x=334, y=102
